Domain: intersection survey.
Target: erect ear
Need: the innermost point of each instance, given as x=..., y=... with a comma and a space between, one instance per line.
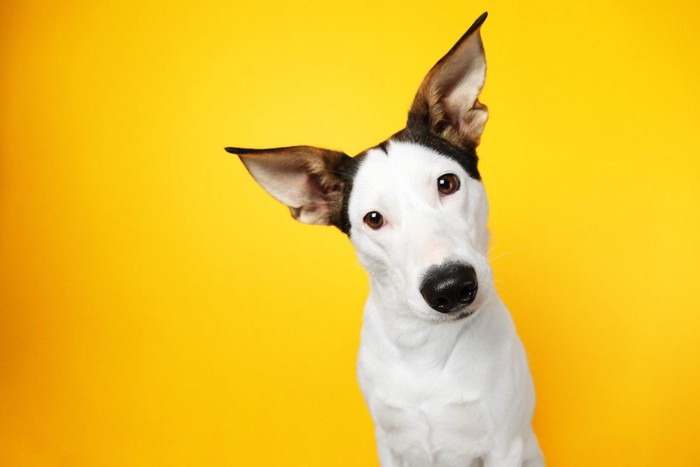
x=447, y=102
x=308, y=180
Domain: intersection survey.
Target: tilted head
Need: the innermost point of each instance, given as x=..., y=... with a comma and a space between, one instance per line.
x=414, y=206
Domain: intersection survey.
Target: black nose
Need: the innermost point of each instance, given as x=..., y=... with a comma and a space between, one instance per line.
x=447, y=286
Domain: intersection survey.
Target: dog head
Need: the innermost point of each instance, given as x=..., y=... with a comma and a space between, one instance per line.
x=414, y=206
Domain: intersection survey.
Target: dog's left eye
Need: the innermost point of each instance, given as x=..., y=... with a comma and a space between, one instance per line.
x=448, y=184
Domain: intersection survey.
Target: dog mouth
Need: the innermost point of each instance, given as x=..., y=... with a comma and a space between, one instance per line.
x=464, y=314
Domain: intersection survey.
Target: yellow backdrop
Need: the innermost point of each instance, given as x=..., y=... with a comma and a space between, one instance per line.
x=158, y=308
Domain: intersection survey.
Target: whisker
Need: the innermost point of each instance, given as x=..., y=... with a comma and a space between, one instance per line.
x=501, y=255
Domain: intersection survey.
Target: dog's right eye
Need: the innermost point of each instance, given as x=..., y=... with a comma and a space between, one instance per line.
x=374, y=220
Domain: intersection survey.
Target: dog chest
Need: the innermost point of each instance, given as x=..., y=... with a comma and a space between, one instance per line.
x=430, y=418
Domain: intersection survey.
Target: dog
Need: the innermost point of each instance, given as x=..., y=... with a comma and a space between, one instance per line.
x=440, y=365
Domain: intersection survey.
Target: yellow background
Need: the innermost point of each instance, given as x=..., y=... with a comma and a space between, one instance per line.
x=158, y=308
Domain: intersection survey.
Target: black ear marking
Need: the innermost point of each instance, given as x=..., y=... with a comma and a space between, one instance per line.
x=477, y=24
x=244, y=151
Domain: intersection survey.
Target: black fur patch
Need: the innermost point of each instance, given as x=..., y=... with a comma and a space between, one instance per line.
x=346, y=171
x=383, y=146
x=418, y=133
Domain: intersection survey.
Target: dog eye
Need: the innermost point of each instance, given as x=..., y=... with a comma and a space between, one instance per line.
x=448, y=184
x=374, y=220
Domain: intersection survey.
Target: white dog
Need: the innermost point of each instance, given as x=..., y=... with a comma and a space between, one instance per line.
x=440, y=364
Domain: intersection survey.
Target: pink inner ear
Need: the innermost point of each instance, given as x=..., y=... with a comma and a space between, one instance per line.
x=316, y=190
x=290, y=183
x=459, y=101
x=295, y=187
x=286, y=184
x=313, y=206
x=453, y=88
x=463, y=91
x=300, y=177
x=330, y=189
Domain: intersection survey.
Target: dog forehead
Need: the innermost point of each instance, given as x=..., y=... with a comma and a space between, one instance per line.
x=395, y=167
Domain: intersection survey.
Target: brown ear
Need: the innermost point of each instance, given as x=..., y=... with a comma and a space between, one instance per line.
x=447, y=102
x=307, y=179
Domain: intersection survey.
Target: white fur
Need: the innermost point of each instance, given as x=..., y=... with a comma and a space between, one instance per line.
x=441, y=391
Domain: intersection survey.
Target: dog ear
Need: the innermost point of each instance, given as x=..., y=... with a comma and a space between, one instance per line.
x=447, y=102
x=308, y=180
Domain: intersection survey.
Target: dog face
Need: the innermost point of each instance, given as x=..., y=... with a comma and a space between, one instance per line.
x=414, y=206
x=418, y=224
